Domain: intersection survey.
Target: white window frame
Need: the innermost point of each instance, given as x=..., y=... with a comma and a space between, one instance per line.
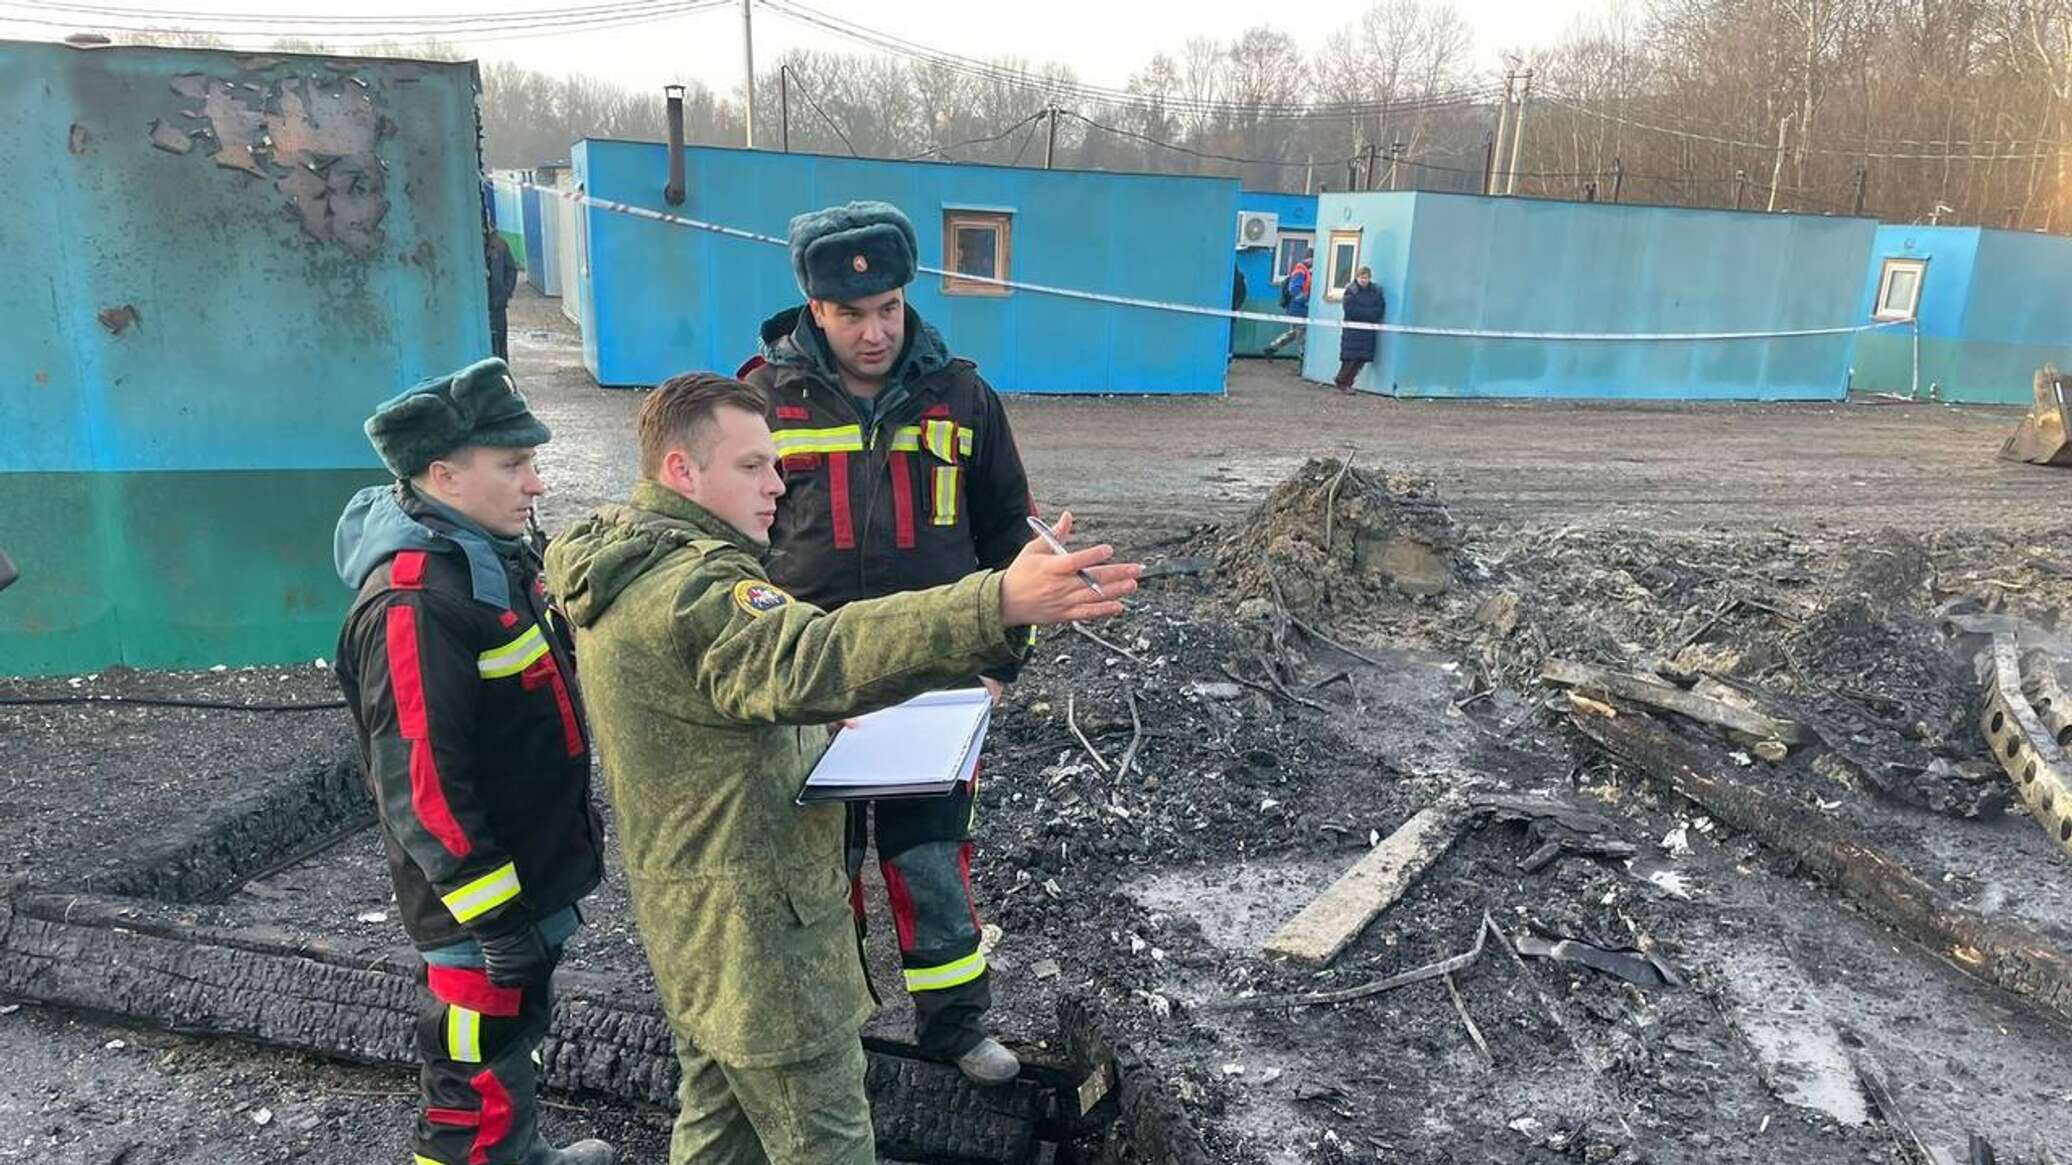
x=1334, y=288
x=1886, y=277
x=1001, y=223
x=1280, y=266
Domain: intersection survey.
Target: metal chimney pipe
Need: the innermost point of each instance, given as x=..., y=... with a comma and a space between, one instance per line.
x=673, y=193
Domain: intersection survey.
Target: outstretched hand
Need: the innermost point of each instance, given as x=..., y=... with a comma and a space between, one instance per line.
x=1041, y=588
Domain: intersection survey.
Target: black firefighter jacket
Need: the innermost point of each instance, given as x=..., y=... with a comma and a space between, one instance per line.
x=918, y=498
x=471, y=730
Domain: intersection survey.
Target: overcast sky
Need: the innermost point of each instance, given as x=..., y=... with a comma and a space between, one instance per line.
x=1103, y=40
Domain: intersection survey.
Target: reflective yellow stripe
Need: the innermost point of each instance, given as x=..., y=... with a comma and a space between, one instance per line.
x=849, y=439
x=484, y=894
x=512, y=657
x=940, y=437
x=463, y=1035
x=421, y=1159
x=946, y=495
x=955, y=974
x=840, y=439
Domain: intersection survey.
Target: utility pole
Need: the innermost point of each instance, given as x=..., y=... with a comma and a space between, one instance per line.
x=1496, y=148
x=1372, y=177
x=748, y=62
x=1050, y=135
x=1618, y=178
x=1740, y=187
x=1518, y=133
x=1488, y=161
x=1777, y=170
x=784, y=104
x=1862, y=187
x=1396, y=152
x=1309, y=175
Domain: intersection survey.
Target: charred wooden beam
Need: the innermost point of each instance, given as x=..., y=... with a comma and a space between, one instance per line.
x=2005, y=954
x=139, y=961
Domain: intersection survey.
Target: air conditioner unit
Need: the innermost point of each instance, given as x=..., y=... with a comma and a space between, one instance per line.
x=1257, y=229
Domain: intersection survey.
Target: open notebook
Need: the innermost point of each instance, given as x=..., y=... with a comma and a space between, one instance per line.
x=921, y=748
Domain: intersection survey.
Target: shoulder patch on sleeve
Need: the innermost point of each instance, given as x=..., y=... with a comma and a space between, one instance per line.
x=758, y=597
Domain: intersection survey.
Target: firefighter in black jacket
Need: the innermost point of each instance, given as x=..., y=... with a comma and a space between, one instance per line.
x=471, y=732
x=900, y=473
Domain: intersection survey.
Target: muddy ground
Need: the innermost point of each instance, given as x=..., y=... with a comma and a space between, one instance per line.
x=1803, y=548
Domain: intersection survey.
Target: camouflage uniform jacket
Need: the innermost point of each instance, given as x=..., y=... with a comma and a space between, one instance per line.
x=707, y=688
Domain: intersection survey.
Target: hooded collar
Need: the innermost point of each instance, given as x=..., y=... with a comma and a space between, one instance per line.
x=382, y=520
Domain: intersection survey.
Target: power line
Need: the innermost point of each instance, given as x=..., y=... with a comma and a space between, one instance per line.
x=823, y=115
x=987, y=140
x=1026, y=139
x=1831, y=151
x=967, y=66
x=1205, y=154
x=530, y=24
x=612, y=7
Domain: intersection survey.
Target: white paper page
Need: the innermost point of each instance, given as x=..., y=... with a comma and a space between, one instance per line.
x=930, y=738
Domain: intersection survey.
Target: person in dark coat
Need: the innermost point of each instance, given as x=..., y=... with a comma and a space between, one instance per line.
x=1363, y=304
x=503, y=280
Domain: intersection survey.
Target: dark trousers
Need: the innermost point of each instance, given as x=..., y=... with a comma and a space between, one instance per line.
x=924, y=852
x=1347, y=370
x=475, y=1045
x=500, y=333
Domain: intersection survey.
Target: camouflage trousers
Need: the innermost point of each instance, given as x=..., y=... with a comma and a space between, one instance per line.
x=814, y=1112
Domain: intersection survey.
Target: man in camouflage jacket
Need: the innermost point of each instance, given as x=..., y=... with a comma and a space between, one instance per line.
x=709, y=691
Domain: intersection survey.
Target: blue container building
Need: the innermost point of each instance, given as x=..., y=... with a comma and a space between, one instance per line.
x=1265, y=256
x=1470, y=262
x=1992, y=306
x=663, y=298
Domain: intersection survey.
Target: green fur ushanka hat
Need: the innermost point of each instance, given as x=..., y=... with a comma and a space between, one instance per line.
x=478, y=405
x=854, y=251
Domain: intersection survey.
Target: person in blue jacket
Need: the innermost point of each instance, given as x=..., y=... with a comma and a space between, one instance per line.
x=1294, y=302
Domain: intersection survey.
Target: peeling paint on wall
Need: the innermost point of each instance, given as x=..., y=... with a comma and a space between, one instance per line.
x=171, y=139
x=118, y=319
x=314, y=140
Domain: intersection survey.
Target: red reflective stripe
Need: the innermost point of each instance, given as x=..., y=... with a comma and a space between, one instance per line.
x=470, y=987
x=935, y=412
x=902, y=503
x=427, y=797
x=793, y=413
x=509, y=619
x=901, y=899
x=838, y=500
x=457, y=1117
x=406, y=571
x=964, y=871
x=545, y=671
x=496, y=1116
